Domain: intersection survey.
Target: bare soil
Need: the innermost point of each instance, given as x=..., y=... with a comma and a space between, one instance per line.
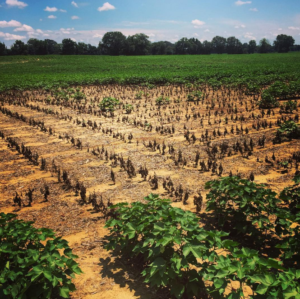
x=107, y=276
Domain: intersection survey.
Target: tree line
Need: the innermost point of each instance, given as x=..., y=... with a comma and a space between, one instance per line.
x=116, y=43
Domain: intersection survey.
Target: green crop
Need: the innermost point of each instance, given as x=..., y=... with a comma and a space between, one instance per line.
x=289, y=129
x=174, y=252
x=255, y=72
x=33, y=262
x=109, y=104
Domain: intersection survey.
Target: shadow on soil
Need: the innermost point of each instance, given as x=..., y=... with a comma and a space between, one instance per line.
x=125, y=273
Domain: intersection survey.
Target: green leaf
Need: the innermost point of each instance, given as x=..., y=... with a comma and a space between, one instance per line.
x=64, y=292
x=196, y=250
x=177, y=290
x=261, y=289
x=218, y=283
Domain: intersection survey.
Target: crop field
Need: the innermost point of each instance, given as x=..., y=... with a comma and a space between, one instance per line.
x=23, y=72
x=85, y=133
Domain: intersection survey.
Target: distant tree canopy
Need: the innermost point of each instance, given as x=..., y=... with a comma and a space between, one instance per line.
x=116, y=43
x=137, y=44
x=252, y=47
x=3, y=50
x=113, y=43
x=283, y=43
x=264, y=46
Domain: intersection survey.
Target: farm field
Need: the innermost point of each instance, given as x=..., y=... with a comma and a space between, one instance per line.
x=100, y=144
x=23, y=72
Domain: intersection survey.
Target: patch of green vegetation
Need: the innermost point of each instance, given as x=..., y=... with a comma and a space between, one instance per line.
x=23, y=72
x=34, y=263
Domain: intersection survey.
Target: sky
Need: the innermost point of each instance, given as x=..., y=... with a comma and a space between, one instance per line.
x=167, y=20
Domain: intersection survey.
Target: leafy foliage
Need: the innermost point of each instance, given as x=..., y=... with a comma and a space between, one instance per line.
x=172, y=250
x=267, y=101
x=242, y=203
x=109, y=104
x=33, y=262
x=128, y=108
x=224, y=70
x=162, y=100
x=195, y=96
x=289, y=129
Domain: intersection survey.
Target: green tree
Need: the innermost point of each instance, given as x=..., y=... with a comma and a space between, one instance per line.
x=162, y=48
x=137, y=44
x=182, y=46
x=82, y=49
x=3, y=50
x=69, y=47
x=92, y=50
x=218, y=44
x=36, y=47
x=113, y=43
x=283, y=43
x=264, y=46
x=19, y=48
x=195, y=46
x=206, y=47
x=158, y=48
x=252, y=46
x=52, y=47
x=234, y=46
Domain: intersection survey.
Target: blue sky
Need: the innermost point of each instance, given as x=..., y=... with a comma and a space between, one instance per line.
x=160, y=19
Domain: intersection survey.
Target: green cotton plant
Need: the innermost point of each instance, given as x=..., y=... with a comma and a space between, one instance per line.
x=267, y=101
x=162, y=100
x=289, y=129
x=33, y=262
x=242, y=203
x=265, y=276
x=166, y=240
x=195, y=96
x=139, y=95
x=174, y=252
x=128, y=108
x=290, y=244
x=109, y=104
x=78, y=95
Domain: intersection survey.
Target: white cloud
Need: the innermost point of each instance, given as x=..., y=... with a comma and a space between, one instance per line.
x=106, y=6
x=8, y=36
x=239, y=26
x=11, y=23
x=62, y=10
x=206, y=30
x=254, y=9
x=50, y=9
x=66, y=30
x=24, y=28
x=52, y=17
x=39, y=31
x=239, y=2
x=41, y=19
x=279, y=29
x=249, y=35
x=197, y=23
x=74, y=4
x=17, y=3
x=97, y=36
x=294, y=28
x=73, y=39
x=74, y=18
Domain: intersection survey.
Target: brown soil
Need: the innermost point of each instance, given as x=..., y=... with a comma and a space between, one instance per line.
x=106, y=276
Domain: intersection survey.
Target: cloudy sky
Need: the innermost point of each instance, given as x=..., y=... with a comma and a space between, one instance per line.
x=160, y=19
